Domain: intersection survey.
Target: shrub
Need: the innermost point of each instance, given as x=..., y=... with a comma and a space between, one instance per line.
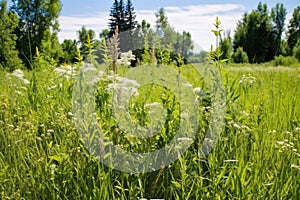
x=284, y=61
x=240, y=56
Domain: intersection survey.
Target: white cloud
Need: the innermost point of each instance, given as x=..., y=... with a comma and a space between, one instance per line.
x=196, y=19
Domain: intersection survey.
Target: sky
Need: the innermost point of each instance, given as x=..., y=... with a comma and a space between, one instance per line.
x=194, y=16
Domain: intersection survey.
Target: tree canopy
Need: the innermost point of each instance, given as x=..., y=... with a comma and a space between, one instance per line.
x=36, y=19
x=8, y=52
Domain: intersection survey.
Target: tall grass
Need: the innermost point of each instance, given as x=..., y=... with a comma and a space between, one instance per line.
x=256, y=157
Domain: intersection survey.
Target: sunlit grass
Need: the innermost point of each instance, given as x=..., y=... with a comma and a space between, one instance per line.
x=256, y=157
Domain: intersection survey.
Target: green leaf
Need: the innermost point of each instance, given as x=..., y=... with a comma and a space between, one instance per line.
x=56, y=158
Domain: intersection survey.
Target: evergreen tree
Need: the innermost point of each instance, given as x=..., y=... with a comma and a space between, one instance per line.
x=8, y=52
x=293, y=34
x=123, y=17
x=37, y=17
x=115, y=18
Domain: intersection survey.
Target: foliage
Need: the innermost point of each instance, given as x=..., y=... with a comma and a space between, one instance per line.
x=42, y=156
x=278, y=15
x=69, y=48
x=146, y=57
x=240, y=56
x=293, y=33
x=9, y=57
x=256, y=34
x=225, y=46
x=37, y=19
x=51, y=48
x=296, y=50
x=285, y=61
x=198, y=57
x=181, y=42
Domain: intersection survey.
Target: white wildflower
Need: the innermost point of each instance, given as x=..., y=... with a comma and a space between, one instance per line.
x=226, y=161
x=187, y=84
x=247, y=80
x=184, y=139
x=237, y=126
x=50, y=131
x=294, y=166
x=18, y=92
x=152, y=105
x=65, y=71
x=199, y=92
x=88, y=68
x=26, y=82
x=18, y=73
x=244, y=113
x=126, y=58
x=280, y=142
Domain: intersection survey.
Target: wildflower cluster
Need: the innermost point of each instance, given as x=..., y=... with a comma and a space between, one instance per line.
x=19, y=74
x=65, y=71
x=238, y=126
x=126, y=58
x=288, y=145
x=247, y=80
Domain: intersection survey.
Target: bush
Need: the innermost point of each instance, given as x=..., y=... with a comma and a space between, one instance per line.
x=240, y=56
x=284, y=61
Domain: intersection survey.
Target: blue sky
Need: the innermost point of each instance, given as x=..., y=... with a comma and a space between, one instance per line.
x=194, y=16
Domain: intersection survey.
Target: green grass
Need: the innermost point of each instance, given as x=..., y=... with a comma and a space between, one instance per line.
x=256, y=157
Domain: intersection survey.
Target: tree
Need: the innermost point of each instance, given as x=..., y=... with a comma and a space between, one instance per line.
x=86, y=36
x=181, y=43
x=36, y=18
x=104, y=34
x=123, y=17
x=51, y=48
x=184, y=44
x=8, y=52
x=69, y=48
x=296, y=50
x=225, y=46
x=293, y=33
x=254, y=34
x=278, y=14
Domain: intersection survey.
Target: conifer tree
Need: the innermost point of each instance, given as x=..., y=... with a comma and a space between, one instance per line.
x=123, y=17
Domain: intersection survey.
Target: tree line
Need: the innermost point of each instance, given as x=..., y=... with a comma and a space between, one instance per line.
x=259, y=37
x=29, y=35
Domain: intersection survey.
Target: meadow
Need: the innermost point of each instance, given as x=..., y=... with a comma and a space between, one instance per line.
x=257, y=155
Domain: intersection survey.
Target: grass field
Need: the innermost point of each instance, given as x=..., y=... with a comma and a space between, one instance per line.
x=257, y=155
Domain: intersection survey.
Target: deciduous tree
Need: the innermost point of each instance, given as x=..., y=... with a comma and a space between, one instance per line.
x=8, y=52
x=293, y=33
x=278, y=14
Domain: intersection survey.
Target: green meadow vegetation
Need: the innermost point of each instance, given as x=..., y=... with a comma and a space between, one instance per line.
x=256, y=157
x=44, y=156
